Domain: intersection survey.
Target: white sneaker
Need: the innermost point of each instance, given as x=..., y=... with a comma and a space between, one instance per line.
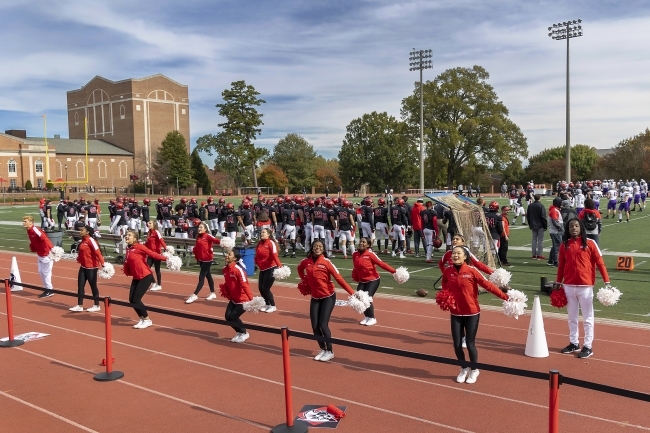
x=93, y=309
x=331, y=257
x=235, y=338
x=363, y=322
x=77, y=308
x=139, y=324
x=462, y=375
x=371, y=321
x=146, y=323
x=402, y=256
x=392, y=253
x=471, y=378
x=328, y=356
x=464, y=343
x=155, y=287
x=320, y=355
x=263, y=309
x=211, y=296
x=271, y=309
x=242, y=338
x=191, y=299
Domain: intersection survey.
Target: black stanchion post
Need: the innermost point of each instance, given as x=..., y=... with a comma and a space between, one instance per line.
x=289, y=427
x=109, y=374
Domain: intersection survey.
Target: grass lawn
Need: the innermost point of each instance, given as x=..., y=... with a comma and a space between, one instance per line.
x=633, y=239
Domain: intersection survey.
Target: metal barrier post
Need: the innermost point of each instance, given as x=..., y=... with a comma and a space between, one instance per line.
x=10, y=320
x=554, y=401
x=109, y=374
x=288, y=427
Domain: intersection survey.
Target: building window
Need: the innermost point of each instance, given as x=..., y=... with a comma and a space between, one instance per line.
x=122, y=112
x=183, y=111
x=102, y=169
x=76, y=118
x=81, y=170
x=123, y=169
x=12, y=183
x=12, y=166
x=137, y=107
x=39, y=183
x=60, y=166
x=38, y=165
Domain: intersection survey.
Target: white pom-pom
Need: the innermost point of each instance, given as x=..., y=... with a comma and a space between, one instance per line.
x=255, y=305
x=107, y=271
x=608, y=295
x=500, y=277
x=56, y=253
x=227, y=243
x=282, y=273
x=516, y=305
x=360, y=301
x=167, y=254
x=170, y=249
x=71, y=256
x=401, y=275
x=174, y=263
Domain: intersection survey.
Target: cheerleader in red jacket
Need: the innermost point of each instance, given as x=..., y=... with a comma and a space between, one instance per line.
x=156, y=243
x=89, y=256
x=204, y=255
x=462, y=280
x=135, y=265
x=316, y=271
x=267, y=261
x=459, y=241
x=577, y=263
x=237, y=291
x=364, y=261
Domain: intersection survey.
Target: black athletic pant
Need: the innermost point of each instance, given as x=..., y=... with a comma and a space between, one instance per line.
x=59, y=217
x=469, y=326
x=370, y=287
x=156, y=264
x=503, y=250
x=203, y=274
x=137, y=291
x=89, y=275
x=320, y=311
x=265, y=282
x=233, y=314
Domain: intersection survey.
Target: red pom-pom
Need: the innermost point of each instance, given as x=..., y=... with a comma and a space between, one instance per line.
x=445, y=300
x=558, y=298
x=223, y=291
x=304, y=288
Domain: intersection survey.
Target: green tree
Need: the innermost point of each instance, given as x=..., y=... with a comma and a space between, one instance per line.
x=198, y=172
x=297, y=159
x=377, y=149
x=514, y=173
x=28, y=184
x=273, y=177
x=172, y=161
x=583, y=160
x=464, y=123
x=236, y=152
x=547, y=172
x=327, y=173
x=629, y=160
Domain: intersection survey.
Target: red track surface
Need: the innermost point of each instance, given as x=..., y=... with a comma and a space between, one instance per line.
x=183, y=375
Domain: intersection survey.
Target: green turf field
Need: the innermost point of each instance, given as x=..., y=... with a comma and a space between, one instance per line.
x=632, y=239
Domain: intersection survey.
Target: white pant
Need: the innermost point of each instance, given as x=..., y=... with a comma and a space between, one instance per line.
x=214, y=224
x=318, y=233
x=366, y=231
x=232, y=235
x=134, y=223
x=166, y=224
x=329, y=240
x=248, y=231
x=222, y=227
x=381, y=230
x=289, y=232
x=180, y=235
x=309, y=229
x=71, y=221
x=278, y=230
x=346, y=236
x=45, y=271
x=428, y=241
x=580, y=297
x=92, y=222
x=398, y=232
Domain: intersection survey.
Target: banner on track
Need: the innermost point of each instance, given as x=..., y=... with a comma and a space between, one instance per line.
x=27, y=336
x=317, y=416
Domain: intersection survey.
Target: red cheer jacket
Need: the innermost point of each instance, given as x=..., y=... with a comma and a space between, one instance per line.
x=463, y=284
x=445, y=262
x=203, y=247
x=89, y=255
x=236, y=284
x=39, y=243
x=317, y=273
x=135, y=261
x=266, y=255
x=155, y=242
x=577, y=265
x=364, y=266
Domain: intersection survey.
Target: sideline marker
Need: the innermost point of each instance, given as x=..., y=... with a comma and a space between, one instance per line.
x=14, y=276
x=536, y=346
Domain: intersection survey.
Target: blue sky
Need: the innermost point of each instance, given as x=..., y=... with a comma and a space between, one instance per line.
x=321, y=64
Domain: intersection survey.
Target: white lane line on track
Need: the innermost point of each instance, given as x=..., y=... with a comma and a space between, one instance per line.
x=388, y=411
x=161, y=394
x=545, y=408
x=47, y=412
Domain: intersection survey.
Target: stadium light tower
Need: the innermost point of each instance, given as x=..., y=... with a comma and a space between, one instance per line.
x=419, y=61
x=567, y=30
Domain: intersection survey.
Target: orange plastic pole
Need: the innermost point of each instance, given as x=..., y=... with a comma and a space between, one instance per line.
x=109, y=348
x=286, y=361
x=554, y=401
x=10, y=312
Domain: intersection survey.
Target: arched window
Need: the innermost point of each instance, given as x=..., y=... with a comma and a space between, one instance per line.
x=12, y=166
x=99, y=111
x=38, y=166
x=76, y=119
x=60, y=167
x=123, y=169
x=122, y=112
x=102, y=169
x=81, y=169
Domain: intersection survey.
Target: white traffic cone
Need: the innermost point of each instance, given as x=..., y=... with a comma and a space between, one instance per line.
x=14, y=276
x=536, y=346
